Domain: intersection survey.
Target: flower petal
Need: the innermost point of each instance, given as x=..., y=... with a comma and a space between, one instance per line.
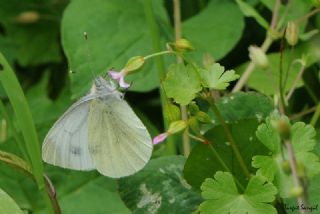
x=122, y=83
x=115, y=75
x=160, y=138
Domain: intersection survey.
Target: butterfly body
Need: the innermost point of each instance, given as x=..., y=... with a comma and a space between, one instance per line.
x=101, y=132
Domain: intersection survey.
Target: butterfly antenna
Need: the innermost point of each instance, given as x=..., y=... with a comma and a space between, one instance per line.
x=85, y=36
x=126, y=90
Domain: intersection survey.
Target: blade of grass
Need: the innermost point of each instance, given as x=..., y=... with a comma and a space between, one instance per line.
x=25, y=123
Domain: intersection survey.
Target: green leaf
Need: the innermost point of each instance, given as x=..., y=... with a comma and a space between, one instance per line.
x=213, y=30
x=222, y=196
x=159, y=188
x=203, y=161
x=182, y=83
x=249, y=11
x=240, y=106
x=7, y=204
x=217, y=77
x=302, y=139
x=125, y=35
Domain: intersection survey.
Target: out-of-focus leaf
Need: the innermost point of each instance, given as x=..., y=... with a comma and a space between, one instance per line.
x=222, y=196
x=182, y=83
x=202, y=162
x=159, y=188
x=249, y=11
x=7, y=204
x=116, y=32
x=36, y=42
x=214, y=30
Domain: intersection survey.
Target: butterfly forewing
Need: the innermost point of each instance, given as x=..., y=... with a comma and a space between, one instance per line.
x=66, y=144
x=119, y=143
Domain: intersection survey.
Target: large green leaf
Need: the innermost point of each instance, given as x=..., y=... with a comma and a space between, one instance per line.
x=7, y=204
x=159, y=188
x=214, y=30
x=182, y=83
x=203, y=161
x=241, y=106
x=222, y=196
x=116, y=32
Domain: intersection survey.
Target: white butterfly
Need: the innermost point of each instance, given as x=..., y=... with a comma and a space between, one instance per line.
x=101, y=132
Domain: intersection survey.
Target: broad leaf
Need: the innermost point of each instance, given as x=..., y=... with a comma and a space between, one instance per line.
x=7, y=204
x=159, y=188
x=203, y=161
x=213, y=31
x=116, y=32
x=222, y=196
x=182, y=83
x=216, y=77
x=249, y=11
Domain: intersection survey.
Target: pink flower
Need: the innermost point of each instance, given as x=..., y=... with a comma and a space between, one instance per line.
x=119, y=77
x=160, y=138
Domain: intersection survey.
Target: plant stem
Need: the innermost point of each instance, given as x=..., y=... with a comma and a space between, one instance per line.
x=265, y=46
x=300, y=114
x=158, y=54
x=52, y=194
x=229, y=136
x=293, y=165
x=248, y=71
x=154, y=31
x=316, y=116
x=295, y=83
x=183, y=108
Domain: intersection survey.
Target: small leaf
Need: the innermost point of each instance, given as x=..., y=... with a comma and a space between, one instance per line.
x=222, y=196
x=249, y=11
x=7, y=204
x=217, y=78
x=182, y=83
x=303, y=142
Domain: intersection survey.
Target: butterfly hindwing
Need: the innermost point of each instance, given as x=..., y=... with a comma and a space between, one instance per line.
x=119, y=143
x=66, y=144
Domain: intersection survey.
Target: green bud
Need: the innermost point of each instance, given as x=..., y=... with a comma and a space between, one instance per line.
x=28, y=17
x=203, y=117
x=177, y=126
x=193, y=123
x=282, y=125
x=286, y=166
x=181, y=45
x=193, y=108
x=134, y=63
x=296, y=191
x=292, y=32
x=258, y=57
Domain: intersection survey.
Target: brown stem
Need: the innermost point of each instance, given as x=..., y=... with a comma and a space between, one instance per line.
x=52, y=194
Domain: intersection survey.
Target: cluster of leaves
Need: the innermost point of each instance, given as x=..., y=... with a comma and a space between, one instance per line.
x=238, y=162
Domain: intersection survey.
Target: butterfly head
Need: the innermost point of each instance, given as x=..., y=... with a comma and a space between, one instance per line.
x=102, y=86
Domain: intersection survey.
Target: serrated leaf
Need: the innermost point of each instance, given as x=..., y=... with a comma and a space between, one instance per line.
x=222, y=196
x=302, y=139
x=7, y=204
x=217, y=78
x=249, y=11
x=159, y=188
x=182, y=83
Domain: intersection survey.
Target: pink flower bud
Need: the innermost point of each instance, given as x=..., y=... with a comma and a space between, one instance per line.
x=160, y=138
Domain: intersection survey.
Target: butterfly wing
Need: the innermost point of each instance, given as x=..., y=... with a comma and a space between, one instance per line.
x=119, y=143
x=66, y=144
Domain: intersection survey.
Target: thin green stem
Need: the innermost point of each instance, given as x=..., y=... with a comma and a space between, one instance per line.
x=229, y=136
x=158, y=54
x=315, y=116
x=155, y=37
